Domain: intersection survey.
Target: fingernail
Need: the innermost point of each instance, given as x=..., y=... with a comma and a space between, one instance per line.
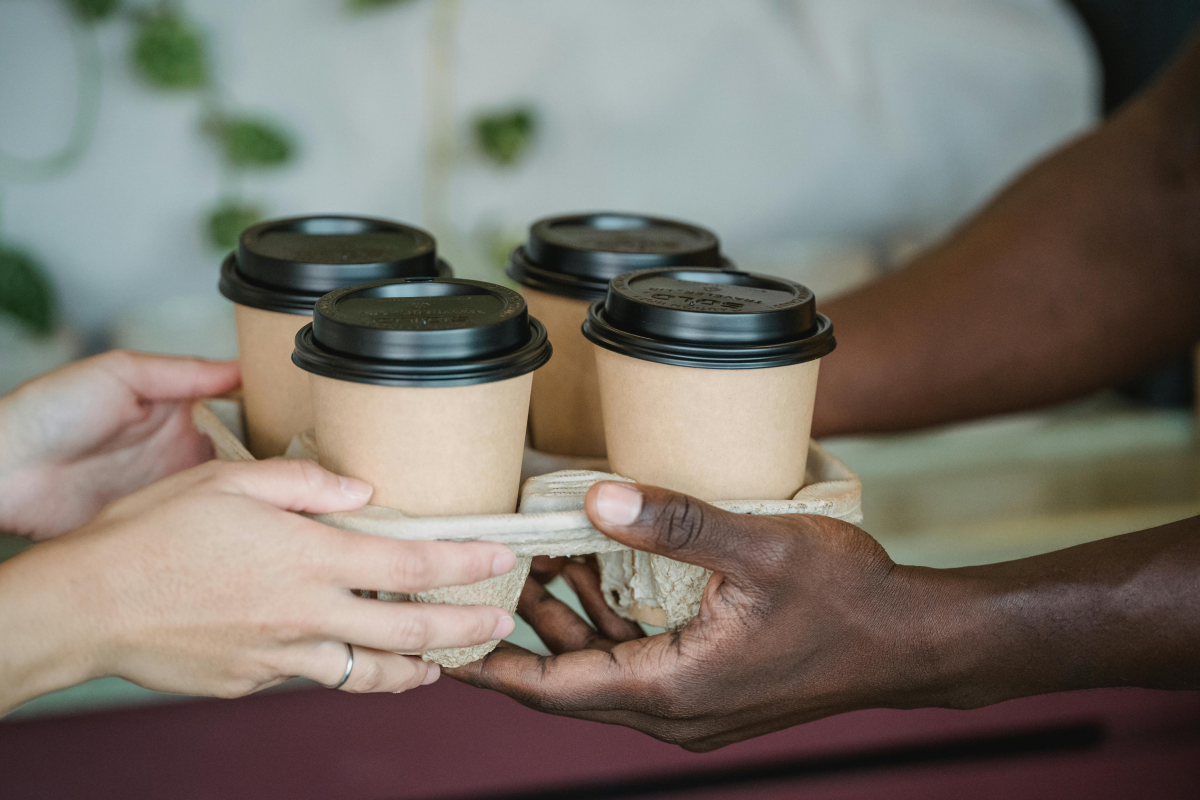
x=355, y=489
x=504, y=627
x=503, y=563
x=618, y=504
x=432, y=674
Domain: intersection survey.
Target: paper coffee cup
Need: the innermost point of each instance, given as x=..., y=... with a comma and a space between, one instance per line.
x=421, y=388
x=279, y=270
x=707, y=380
x=564, y=411
x=563, y=268
x=275, y=396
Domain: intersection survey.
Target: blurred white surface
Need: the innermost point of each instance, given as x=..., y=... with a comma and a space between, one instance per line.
x=194, y=325
x=778, y=123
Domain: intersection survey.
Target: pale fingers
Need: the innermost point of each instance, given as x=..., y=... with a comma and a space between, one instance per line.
x=371, y=671
x=159, y=492
x=415, y=627
x=389, y=565
x=292, y=485
x=380, y=671
x=158, y=377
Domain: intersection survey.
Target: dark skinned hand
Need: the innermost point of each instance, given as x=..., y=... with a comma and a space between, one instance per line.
x=798, y=622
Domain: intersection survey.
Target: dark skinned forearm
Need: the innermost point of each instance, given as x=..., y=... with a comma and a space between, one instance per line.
x=1083, y=272
x=1118, y=612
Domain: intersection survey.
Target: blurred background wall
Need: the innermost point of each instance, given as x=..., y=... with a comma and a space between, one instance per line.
x=822, y=139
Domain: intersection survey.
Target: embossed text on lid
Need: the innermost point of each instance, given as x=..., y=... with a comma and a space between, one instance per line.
x=422, y=331
x=709, y=318
x=713, y=298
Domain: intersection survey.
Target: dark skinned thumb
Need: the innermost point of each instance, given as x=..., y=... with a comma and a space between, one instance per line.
x=670, y=524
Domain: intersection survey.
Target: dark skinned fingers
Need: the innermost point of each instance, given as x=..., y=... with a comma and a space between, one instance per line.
x=590, y=685
x=686, y=529
x=552, y=684
x=545, y=568
x=584, y=580
x=558, y=626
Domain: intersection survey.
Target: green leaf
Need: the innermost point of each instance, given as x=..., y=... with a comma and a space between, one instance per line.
x=505, y=136
x=168, y=51
x=374, y=5
x=252, y=142
x=227, y=221
x=26, y=291
x=94, y=10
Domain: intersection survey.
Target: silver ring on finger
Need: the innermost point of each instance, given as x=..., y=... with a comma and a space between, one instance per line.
x=349, y=666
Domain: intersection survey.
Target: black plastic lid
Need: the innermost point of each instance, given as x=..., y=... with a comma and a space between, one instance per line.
x=287, y=264
x=422, y=332
x=578, y=254
x=710, y=318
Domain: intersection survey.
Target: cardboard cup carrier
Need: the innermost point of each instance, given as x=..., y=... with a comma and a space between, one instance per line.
x=707, y=380
x=563, y=268
x=279, y=270
x=420, y=387
x=552, y=522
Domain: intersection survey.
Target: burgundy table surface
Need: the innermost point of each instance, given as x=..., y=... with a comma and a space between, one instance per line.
x=451, y=741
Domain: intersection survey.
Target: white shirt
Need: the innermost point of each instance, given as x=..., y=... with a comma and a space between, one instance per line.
x=784, y=125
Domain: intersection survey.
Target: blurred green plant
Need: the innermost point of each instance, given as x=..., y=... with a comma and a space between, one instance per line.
x=168, y=50
x=227, y=221
x=373, y=5
x=93, y=10
x=26, y=292
x=505, y=136
x=250, y=143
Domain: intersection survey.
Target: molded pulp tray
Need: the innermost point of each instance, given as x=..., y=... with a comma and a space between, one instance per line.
x=551, y=522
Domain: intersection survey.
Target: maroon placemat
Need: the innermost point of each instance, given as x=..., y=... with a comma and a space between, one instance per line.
x=451, y=741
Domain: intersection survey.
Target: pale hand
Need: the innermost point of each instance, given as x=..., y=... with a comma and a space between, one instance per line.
x=206, y=583
x=84, y=435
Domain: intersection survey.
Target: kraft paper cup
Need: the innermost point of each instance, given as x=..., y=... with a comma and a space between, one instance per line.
x=563, y=268
x=421, y=388
x=279, y=270
x=711, y=434
x=275, y=392
x=707, y=380
x=428, y=452
x=565, y=416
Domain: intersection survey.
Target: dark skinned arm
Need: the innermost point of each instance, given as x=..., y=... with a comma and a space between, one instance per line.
x=807, y=617
x=1085, y=271
x=1081, y=274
